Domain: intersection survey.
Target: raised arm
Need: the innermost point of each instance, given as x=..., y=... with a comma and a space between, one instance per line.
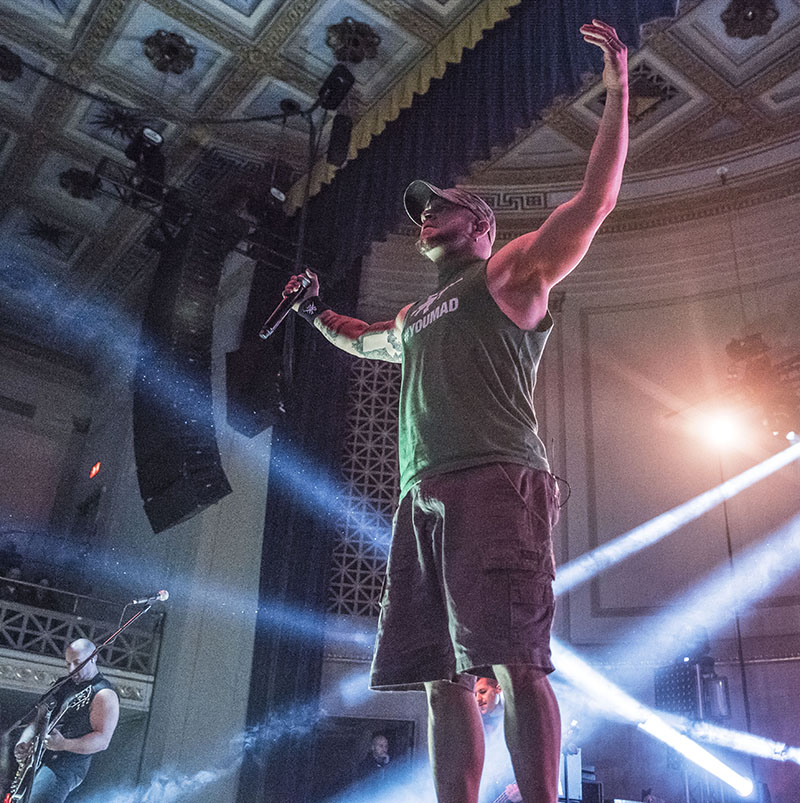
x=533, y=263
x=376, y=341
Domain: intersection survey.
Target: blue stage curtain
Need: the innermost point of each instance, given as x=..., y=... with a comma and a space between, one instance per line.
x=500, y=86
x=299, y=534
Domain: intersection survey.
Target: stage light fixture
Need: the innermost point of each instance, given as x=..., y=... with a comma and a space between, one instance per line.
x=738, y=741
x=144, y=150
x=618, y=704
x=335, y=88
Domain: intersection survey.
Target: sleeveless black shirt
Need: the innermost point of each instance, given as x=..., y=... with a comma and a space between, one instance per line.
x=74, y=724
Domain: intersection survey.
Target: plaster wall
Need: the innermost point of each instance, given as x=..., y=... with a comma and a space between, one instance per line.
x=39, y=447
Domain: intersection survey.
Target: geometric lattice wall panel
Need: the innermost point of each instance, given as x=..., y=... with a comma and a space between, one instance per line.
x=655, y=95
x=369, y=467
x=34, y=630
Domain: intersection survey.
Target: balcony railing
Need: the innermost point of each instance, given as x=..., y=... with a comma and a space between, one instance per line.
x=48, y=631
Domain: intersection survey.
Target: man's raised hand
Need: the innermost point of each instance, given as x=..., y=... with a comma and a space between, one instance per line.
x=615, y=54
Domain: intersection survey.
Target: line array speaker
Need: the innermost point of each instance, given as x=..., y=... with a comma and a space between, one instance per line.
x=177, y=458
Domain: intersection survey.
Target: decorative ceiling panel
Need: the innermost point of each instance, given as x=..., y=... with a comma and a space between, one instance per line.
x=545, y=147
x=62, y=18
x=247, y=16
x=125, y=56
x=50, y=243
x=739, y=59
x=661, y=99
x=784, y=96
x=87, y=213
x=397, y=49
x=702, y=99
x=265, y=98
x=111, y=127
x=21, y=95
x=444, y=10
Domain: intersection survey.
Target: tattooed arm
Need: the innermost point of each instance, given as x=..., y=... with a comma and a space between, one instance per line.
x=377, y=341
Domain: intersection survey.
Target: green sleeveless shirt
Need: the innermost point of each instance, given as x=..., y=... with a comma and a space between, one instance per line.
x=469, y=373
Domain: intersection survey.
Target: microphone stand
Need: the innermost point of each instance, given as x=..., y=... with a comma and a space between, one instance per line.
x=313, y=144
x=288, y=339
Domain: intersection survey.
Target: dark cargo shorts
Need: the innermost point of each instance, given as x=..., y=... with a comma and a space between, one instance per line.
x=469, y=580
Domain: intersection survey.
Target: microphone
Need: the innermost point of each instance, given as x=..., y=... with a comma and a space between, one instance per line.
x=282, y=310
x=161, y=596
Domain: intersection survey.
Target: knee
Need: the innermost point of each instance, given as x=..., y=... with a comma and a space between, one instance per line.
x=442, y=693
x=519, y=678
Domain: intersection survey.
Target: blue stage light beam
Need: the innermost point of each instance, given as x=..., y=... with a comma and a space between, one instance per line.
x=709, y=605
x=737, y=741
x=587, y=566
x=313, y=489
x=620, y=705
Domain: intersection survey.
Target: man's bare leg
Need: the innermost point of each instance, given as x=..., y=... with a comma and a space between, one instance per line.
x=533, y=731
x=455, y=742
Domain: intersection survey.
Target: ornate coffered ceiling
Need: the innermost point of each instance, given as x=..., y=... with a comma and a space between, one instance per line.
x=703, y=100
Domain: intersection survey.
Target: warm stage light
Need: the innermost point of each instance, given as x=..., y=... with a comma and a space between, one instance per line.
x=722, y=429
x=94, y=470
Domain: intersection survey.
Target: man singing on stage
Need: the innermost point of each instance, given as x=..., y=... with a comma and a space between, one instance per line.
x=470, y=572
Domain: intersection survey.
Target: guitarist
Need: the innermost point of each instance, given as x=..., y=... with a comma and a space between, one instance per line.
x=489, y=697
x=84, y=729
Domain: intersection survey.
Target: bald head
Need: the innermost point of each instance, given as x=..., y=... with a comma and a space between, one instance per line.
x=76, y=654
x=82, y=646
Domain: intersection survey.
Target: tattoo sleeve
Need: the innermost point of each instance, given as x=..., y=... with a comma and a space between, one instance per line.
x=377, y=341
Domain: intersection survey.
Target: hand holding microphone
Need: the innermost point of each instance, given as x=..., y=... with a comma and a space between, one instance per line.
x=305, y=284
x=297, y=288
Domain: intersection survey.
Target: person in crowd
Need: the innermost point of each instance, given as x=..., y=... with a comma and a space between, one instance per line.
x=376, y=763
